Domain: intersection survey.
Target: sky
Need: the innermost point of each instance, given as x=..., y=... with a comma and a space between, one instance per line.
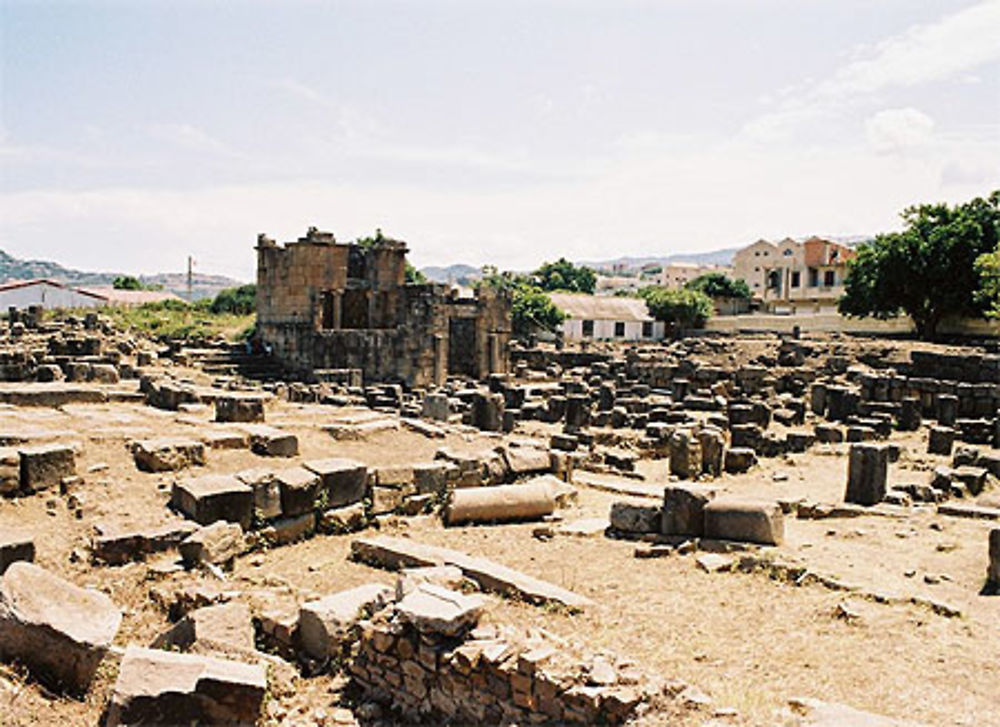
x=134, y=133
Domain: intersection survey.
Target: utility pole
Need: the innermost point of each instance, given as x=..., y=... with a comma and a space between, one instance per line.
x=190, y=278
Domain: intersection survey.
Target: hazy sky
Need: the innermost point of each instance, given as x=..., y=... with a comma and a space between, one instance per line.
x=135, y=133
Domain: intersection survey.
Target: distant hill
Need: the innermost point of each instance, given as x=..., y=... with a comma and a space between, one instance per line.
x=714, y=257
x=460, y=274
x=203, y=286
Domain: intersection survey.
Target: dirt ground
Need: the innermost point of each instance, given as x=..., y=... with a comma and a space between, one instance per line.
x=748, y=640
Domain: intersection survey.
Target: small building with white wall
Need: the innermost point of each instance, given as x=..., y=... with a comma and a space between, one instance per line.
x=47, y=294
x=606, y=318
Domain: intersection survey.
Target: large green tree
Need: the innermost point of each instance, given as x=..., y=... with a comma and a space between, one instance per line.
x=564, y=275
x=988, y=266
x=928, y=270
x=531, y=307
x=677, y=308
x=718, y=285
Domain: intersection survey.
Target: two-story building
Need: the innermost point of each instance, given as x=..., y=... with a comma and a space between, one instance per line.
x=791, y=276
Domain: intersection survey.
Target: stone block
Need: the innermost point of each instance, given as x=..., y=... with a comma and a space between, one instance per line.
x=713, y=445
x=325, y=624
x=867, y=474
x=271, y=442
x=751, y=521
x=225, y=627
x=299, y=488
x=685, y=454
x=633, y=518
x=214, y=497
x=239, y=408
x=684, y=509
x=60, y=631
x=163, y=687
x=289, y=530
x=740, y=459
x=993, y=571
x=435, y=610
x=45, y=466
x=940, y=440
x=346, y=519
x=167, y=454
x=15, y=546
x=215, y=544
x=266, y=492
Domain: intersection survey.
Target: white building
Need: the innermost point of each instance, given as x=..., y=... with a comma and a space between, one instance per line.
x=606, y=318
x=47, y=294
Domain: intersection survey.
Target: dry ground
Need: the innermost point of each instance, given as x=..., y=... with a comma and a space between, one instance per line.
x=747, y=640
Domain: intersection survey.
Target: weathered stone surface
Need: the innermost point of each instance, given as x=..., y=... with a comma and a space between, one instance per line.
x=344, y=481
x=435, y=406
x=713, y=445
x=685, y=454
x=299, y=488
x=635, y=518
x=45, y=466
x=347, y=519
x=740, y=459
x=268, y=441
x=289, y=529
x=752, y=521
x=167, y=454
x=15, y=546
x=684, y=509
x=436, y=610
x=163, y=687
x=395, y=553
x=814, y=713
x=60, y=631
x=325, y=624
x=867, y=474
x=220, y=628
x=501, y=503
x=940, y=440
x=216, y=544
x=239, y=408
x=266, y=492
x=214, y=497
x=527, y=460
x=445, y=576
x=118, y=547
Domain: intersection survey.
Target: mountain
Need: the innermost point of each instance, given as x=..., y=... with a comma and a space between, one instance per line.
x=202, y=285
x=714, y=257
x=458, y=273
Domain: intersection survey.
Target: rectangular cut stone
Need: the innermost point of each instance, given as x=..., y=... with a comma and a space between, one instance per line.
x=395, y=553
x=45, y=466
x=344, y=481
x=324, y=623
x=266, y=492
x=867, y=473
x=15, y=546
x=683, y=509
x=214, y=497
x=163, y=687
x=993, y=572
x=239, y=408
x=60, y=631
x=751, y=521
x=298, y=487
x=167, y=454
x=270, y=442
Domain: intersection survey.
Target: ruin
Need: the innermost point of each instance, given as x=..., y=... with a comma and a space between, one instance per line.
x=324, y=305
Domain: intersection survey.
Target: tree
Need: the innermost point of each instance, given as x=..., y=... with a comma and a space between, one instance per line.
x=241, y=300
x=531, y=307
x=717, y=285
x=126, y=282
x=677, y=308
x=564, y=275
x=929, y=270
x=414, y=276
x=988, y=295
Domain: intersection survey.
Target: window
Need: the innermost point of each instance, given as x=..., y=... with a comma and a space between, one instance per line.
x=813, y=277
x=788, y=252
x=829, y=278
x=620, y=329
x=796, y=278
x=588, y=329
x=647, y=329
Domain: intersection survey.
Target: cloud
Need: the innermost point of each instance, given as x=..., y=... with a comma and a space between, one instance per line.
x=897, y=130
x=190, y=138
x=951, y=48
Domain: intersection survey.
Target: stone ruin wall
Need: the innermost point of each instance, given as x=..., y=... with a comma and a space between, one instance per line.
x=495, y=676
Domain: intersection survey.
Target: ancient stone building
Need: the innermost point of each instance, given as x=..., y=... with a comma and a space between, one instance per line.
x=324, y=305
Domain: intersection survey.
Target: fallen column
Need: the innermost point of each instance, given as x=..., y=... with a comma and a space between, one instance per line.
x=504, y=502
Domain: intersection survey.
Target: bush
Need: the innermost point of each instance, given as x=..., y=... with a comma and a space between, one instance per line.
x=240, y=301
x=717, y=285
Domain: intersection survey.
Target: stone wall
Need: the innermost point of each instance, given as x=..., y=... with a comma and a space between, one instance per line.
x=494, y=676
